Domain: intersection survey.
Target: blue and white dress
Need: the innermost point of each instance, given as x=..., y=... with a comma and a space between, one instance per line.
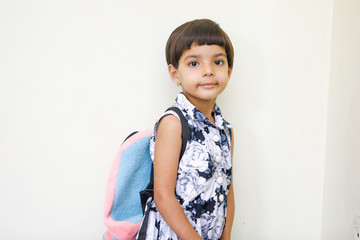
x=203, y=178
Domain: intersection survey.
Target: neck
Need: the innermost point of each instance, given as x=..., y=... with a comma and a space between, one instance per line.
x=206, y=107
x=207, y=110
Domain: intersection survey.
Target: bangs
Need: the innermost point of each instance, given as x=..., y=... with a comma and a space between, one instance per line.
x=198, y=32
x=203, y=36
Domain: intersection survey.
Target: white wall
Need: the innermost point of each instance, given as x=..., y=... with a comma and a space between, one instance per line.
x=279, y=117
x=77, y=76
x=342, y=176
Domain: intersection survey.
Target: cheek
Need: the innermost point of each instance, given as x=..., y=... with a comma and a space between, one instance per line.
x=188, y=77
x=224, y=77
x=224, y=84
x=182, y=75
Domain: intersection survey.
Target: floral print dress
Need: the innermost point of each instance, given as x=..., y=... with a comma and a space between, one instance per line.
x=203, y=177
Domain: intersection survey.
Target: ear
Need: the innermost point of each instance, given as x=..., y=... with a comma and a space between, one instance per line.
x=229, y=72
x=174, y=74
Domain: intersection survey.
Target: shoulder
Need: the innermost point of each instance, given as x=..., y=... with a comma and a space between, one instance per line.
x=170, y=122
x=168, y=125
x=167, y=140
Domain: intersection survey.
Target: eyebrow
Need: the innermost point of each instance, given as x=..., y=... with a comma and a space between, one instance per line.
x=197, y=56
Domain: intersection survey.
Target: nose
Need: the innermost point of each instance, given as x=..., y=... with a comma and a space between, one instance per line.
x=207, y=70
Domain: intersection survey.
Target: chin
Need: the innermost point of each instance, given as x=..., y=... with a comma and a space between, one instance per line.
x=209, y=97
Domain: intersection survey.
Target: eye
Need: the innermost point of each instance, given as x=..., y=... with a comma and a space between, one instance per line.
x=219, y=62
x=193, y=64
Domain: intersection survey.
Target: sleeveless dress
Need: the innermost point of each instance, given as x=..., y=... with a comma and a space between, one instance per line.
x=203, y=177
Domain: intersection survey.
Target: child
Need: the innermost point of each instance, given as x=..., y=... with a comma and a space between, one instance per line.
x=193, y=197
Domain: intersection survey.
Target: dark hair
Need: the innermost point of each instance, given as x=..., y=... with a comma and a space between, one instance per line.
x=200, y=32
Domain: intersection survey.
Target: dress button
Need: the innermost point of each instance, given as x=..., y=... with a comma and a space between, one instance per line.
x=218, y=159
x=221, y=198
x=216, y=138
x=219, y=180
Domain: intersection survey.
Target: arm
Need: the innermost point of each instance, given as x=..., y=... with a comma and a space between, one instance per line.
x=167, y=153
x=230, y=201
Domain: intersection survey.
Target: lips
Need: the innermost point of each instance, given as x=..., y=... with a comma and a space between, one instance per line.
x=208, y=85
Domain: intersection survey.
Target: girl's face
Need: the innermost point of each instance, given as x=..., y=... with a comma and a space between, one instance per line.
x=203, y=73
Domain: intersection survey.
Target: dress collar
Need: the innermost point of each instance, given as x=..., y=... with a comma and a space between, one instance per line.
x=192, y=112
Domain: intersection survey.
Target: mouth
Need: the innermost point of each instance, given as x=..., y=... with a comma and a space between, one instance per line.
x=208, y=85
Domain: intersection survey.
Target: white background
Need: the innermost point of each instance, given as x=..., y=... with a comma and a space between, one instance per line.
x=77, y=76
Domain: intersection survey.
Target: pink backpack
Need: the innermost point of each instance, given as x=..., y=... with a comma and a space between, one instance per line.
x=130, y=184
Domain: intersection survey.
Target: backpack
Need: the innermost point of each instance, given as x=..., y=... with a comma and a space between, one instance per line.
x=130, y=184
